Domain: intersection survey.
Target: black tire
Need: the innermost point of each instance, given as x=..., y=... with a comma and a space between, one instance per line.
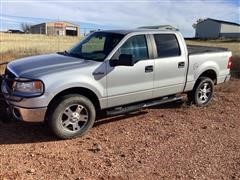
x=202, y=92
x=66, y=122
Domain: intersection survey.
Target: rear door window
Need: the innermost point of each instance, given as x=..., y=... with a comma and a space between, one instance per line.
x=167, y=45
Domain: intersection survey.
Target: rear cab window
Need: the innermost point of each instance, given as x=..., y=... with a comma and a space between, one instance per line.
x=167, y=45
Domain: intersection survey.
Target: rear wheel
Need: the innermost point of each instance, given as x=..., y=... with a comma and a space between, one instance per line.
x=72, y=116
x=203, y=92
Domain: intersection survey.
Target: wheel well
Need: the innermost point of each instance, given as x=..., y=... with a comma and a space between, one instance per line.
x=210, y=74
x=81, y=91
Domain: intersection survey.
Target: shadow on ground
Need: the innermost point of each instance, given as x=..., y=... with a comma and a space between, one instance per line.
x=13, y=132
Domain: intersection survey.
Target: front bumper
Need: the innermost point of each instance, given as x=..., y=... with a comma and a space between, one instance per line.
x=28, y=115
x=24, y=109
x=29, y=109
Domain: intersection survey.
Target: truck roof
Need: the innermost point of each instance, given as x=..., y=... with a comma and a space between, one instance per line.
x=128, y=31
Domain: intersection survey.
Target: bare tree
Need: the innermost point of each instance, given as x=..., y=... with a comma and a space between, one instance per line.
x=25, y=27
x=198, y=21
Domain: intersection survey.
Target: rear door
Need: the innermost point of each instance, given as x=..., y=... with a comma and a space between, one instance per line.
x=128, y=84
x=170, y=65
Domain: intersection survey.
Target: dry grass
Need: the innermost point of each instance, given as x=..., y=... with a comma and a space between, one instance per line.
x=30, y=41
x=24, y=44
x=13, y=46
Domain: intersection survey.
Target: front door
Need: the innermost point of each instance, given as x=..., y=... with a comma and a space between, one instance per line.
x=128, y=84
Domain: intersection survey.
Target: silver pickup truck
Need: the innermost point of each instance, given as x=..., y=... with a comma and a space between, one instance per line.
x=116, y=72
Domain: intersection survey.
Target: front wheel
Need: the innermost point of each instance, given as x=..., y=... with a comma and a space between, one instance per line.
x=72, y=116
x=203, y=92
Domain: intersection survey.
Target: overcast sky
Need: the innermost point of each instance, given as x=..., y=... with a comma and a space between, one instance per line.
x=109, y=14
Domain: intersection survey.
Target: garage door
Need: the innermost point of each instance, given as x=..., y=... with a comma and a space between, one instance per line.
x=71, y=31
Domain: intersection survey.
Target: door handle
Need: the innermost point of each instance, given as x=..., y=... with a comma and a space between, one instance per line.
x=181, y=64
x=148, y=69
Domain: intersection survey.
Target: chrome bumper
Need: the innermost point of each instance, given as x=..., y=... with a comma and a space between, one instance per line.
x=29, y=115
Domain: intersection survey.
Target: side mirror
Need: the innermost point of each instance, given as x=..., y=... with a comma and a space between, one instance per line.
x=123, y=60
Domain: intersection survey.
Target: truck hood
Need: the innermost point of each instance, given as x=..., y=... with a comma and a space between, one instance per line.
x=37, y=66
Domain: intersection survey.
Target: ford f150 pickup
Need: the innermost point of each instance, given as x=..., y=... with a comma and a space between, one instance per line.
x=116, y=72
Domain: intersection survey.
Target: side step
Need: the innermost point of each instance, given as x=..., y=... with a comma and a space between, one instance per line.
x=135, y=107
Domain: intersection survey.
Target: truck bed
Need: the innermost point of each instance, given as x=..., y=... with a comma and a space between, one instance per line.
x=195, y=49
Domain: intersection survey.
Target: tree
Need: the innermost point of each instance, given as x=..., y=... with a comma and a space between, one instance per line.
x=25, y=27
x=198, y=21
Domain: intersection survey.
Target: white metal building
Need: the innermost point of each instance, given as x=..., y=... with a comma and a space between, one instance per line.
x=213, y=29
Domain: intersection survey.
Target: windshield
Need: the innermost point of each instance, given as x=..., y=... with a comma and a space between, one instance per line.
x=96, y=46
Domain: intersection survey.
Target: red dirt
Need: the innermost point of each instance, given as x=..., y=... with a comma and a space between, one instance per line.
x=174, y=141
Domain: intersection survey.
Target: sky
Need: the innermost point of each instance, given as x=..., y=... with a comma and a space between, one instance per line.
x=118, y=14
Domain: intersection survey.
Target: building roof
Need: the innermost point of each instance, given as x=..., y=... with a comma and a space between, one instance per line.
x=222, y=22
x=62, y=22
x=15, y=31
x=38, y=24
x=54, y=22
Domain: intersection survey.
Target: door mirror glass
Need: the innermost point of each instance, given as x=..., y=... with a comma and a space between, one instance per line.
x=125, y=60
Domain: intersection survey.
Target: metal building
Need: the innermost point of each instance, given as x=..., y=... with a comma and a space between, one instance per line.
x=213, y=29
x=60, y=28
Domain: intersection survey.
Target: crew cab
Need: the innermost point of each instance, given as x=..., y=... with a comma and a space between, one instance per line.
x=114, y=71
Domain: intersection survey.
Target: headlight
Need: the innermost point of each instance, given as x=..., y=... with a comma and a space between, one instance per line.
x=25, y=87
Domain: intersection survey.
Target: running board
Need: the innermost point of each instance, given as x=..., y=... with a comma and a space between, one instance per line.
x=135, y=107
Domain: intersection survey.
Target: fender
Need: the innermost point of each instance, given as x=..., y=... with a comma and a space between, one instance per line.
x=208, y=65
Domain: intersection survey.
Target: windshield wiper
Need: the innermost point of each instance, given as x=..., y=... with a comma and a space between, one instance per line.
x=76, y=55
x=66, y=53
x=63, y=53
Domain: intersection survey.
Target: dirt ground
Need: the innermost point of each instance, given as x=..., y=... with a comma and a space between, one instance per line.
x=173, y=141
